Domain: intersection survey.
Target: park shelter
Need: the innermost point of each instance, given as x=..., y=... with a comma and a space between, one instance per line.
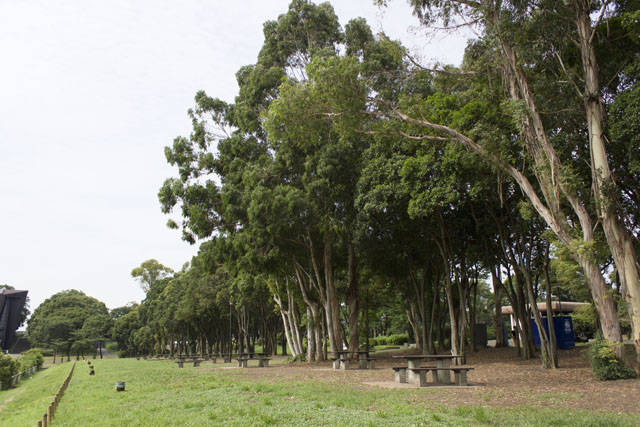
x=558, y=307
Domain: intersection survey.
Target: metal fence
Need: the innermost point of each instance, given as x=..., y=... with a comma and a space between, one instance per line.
x=22, y=375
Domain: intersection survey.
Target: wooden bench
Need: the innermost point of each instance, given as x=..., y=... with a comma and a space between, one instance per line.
x=180, y=363
x=459, y=371
x=242, y=362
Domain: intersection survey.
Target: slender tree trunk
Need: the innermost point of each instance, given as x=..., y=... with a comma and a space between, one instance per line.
x=434, y=314
x=332, y=306
x=546, y=353
x=412, y=317
x=497, y=302
x=353, y=300
x=553, y=343
x=311, y=338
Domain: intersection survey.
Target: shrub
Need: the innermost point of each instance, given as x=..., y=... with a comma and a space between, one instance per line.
x=123, y=353
x=31, y=358
x=112, y=347
x=605, y=364
x=46, y=352
x=395, y=339
x=8, y=368
x=584, y=322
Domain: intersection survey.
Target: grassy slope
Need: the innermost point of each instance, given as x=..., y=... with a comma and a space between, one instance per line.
x=25, y=404
x=159, y=394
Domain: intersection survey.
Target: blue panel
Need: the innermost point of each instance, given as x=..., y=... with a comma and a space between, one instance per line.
x=563, y=327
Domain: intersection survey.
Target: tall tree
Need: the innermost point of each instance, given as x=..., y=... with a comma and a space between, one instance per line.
x=58, y=321
x=149, y=273
x=563, y=205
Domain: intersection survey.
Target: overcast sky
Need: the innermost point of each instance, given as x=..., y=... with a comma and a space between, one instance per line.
x=90, y=93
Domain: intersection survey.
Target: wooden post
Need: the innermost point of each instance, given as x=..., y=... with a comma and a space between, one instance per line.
x=44, y=420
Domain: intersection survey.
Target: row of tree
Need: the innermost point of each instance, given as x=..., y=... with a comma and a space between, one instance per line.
x=350, y=191
x=346, y=175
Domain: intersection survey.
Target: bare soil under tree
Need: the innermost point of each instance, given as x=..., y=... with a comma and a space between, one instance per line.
x=500, y=378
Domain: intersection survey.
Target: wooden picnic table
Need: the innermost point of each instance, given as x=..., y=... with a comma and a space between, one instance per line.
x=443, y=362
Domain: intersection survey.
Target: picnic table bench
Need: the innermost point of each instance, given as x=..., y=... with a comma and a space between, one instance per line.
x=341, y=359
x=419, y=376
x=262, y=358
x=196, y=361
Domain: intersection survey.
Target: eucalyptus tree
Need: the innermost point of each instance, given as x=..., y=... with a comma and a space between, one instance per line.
x=149, y=273
x=524, y=35
x=236, y=132
x=96, y=329
x=399, y=247
x=124, y=330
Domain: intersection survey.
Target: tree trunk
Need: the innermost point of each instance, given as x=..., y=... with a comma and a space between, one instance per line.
x=546, y=353
x=434, y=314
x=311, y=337
x=553, y=343
x=619, y=240
x=497, y=302
x=412, y=317
x=332, y=307
x=353, y=300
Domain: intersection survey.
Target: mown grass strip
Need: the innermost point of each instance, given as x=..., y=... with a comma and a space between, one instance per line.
x=25, y=404
x=158, y=393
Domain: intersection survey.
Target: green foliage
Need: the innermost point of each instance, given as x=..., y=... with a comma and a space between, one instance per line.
x=605, y=364
x=395, y=339
x=8, y=368
x=30, y=358
x=124, y=330
x=149, y=273
x=585, y=320
x=58, y=322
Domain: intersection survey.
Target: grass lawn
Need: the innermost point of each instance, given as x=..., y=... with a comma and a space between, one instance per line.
x=159, y=394
x=25, y=404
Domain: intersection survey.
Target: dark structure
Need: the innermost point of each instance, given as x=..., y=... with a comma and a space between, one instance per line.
x=11, y=305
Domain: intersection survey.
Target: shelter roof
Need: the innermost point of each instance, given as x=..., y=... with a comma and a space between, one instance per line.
x=557, y=306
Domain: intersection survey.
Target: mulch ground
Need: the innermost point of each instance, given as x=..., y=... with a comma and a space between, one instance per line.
x=500, y=378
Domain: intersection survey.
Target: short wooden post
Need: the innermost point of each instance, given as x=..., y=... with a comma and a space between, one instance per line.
x=39, y=424
x=44, y=420
x=50, y=412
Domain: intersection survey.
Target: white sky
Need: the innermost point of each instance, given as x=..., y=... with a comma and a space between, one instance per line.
x=90, y=93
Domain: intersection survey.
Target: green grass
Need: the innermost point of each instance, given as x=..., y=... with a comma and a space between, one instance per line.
x=25, y=404
x=159, y=394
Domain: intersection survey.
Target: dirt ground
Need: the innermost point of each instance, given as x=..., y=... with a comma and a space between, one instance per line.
x=500, y=378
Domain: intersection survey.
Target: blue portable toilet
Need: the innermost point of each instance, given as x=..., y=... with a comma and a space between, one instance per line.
x=563, y=327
